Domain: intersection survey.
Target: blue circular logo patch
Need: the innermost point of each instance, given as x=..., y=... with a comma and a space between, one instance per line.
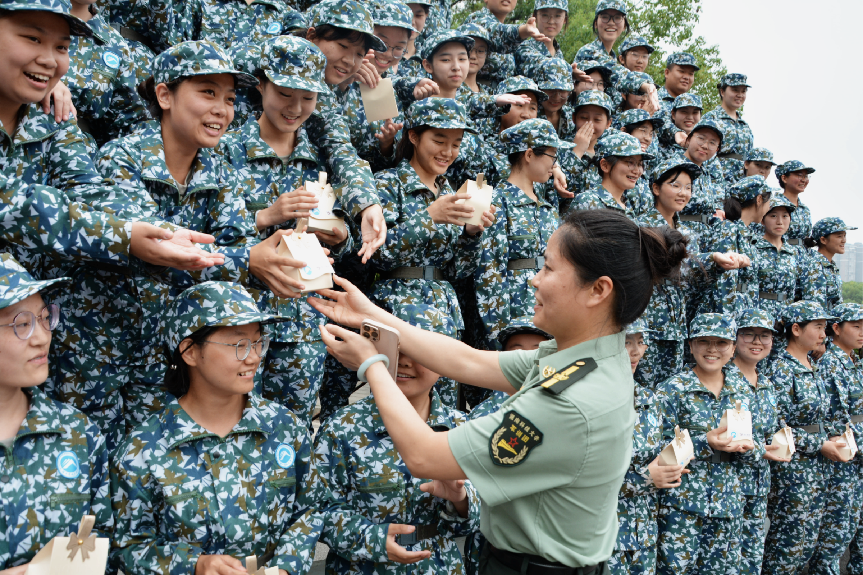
x=285, y=456
x=68, y=466
x=274, y=28
x=111, y=60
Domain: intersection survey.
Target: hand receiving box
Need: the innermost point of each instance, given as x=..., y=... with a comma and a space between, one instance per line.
x=680, y=451
x=739, y=422
x=480, y=198
x=318, y=273
x=322, y=219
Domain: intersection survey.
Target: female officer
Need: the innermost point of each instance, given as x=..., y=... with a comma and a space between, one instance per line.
x=548, y=499
x=793, y=177
x=53, y=461
x=823, y=282
x=781, y=269
x=737, y=140
x=214, y=475
x=376, y=513
x=802, y=402
x=844, y=382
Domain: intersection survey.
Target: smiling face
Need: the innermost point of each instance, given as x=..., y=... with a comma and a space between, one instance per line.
x=518, y=113
x=396, y=39
x=702, y=145
x=609, y=25
x=478, y=55
x=674, y=193
x=796, y=182
x=711, y=353
x=834, y=243
x=435, y=149
x=449, y=66
x=636, y=348
x=597, y=116
x=413, y=378
x=644, y=132
x=776, y=222
x=197, y=113
x=344, y=56
x=624, y=174
x=559, y=293
x=285, y=109
x=216, y=367
x=759, y=345
x=636, y=59
x=733, y=97
x=25, y=361
x=686, y=117
x=556, y=100
x=757, y=168
x=550, y=21
x=679, y=79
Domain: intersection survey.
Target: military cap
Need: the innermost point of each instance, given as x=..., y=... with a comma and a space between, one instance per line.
x=636, y=42
x=441, y=37
x=673, y=162
x=617, y=143
x=426, y=317
x=393, y=13
x=212, y=303
x=827, y=226
x=588, y=66
x=618, y=5
x=681, y=59
x=748, y=188
x=638, y=326
x=515, y=84
x=522, y=324
x=760, y=155
x=77, y=27
x=16, y=283
x=733, y=80
x=350, y=15
x=803, y=311
x=637, y=116
x=292, y=62
x=847, y=312
x=199, y=58
x=687, y=100
x=594, y=98
x=713, y=325
x=754, y=317
x=559, y=4
x=633, y=88
x=474, y=30
x=709, y=124
x=445, y=113
x=535, y=133
x=778, y=200
x=554, y=74
x=792, y=166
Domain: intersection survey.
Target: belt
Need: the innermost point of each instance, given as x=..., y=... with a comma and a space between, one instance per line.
x=856, y=419
x=795, y=241
x=526, y=264
x=813, y=428
x=421, y=532
x=130, y=34
x=720, y=457
x=704, y=219
x=414, y=273
x=731, y=155
x=537, y=565
x=773, y=296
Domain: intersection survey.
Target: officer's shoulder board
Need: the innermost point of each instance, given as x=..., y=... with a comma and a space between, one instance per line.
x=575, y=371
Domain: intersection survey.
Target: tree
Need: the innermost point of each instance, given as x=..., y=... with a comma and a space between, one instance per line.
x=852, y=292
x=667, y=24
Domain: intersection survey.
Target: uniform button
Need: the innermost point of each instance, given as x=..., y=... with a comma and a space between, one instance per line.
x=216, y=455
x=5, y=479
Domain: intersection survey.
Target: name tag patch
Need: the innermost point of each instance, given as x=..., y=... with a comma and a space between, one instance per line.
x=513, y=440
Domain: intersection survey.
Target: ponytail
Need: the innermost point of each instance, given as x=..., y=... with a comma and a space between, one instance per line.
x=405, y=148
x=177, y=375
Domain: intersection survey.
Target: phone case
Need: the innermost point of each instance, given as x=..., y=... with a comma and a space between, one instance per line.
x=386, y=340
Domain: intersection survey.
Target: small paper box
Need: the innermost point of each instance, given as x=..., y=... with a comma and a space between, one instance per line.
x=380, y=101
x=784, y=438
x=849, y=450
x=680, y=451
x=252, y=567
x=322, y=219
x=81, y=553
x=318, y=273
x=739, y=424
x=480, y=198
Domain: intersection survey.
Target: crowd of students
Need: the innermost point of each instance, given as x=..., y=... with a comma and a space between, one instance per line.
x=153, y=155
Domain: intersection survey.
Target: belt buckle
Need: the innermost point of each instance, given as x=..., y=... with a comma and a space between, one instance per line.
x=428, y=273
x=794, y=241
x=407, y=539
x=540, y=262
x=820, y=427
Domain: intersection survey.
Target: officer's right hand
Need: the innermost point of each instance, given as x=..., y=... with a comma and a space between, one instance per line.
x=174, y=249
x=666, y=476
x=396, y=552
x=19, y=570
x=219, y=565
x=445, y=210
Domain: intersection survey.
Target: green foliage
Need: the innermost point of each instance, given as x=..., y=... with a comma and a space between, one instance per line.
x=852, y=292
x=667, y=24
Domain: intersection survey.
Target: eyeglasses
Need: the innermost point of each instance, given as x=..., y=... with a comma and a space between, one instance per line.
x=24, y=322
x=397, y=51
x=554, y=163
x=711, y=144
x=642, y=131
x=677, y=188
x=549, y=18
x=606, y=18
x=479, y=52
x=633, y=165
x=244, y=347
x=750, y=336
x=721, y=345
x=600, y=85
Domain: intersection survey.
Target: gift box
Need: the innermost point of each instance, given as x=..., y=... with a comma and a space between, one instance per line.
x=379, y=102
x=784, y=438
x=318, y=273
x=252, y=567
x=849, y=450
x=480, y=198
x=739, y=422
x=680, y=451
x=81, y=553
x=322, y=219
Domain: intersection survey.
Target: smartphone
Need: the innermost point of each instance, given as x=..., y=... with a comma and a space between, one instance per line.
x=386, y=340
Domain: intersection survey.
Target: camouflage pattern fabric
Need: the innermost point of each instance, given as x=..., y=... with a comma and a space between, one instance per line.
x=738, y=139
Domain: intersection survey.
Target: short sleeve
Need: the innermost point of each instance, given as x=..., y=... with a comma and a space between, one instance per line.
x=516, y=365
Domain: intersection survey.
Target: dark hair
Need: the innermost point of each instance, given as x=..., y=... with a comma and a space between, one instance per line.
x=811, y=242
x=671, y=175
x=630, y=128
x=405, y=149
x=147, y=91
x=787, y=328
x=441, y=45
x=177, y=374
x=626, y=28
x=830, y=331
x=516, y=158
x=612, y=161
x=331, y=33
x=734, y=209
x=607, y=243
x=565, y=19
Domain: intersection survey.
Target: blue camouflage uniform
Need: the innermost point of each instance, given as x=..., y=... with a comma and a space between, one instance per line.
x=823, y=283
x=556, y=75
x=532, y=54
x=666, y=133
x=801, y=218
x=666, y=100
x=581, y=174
x=738, y=135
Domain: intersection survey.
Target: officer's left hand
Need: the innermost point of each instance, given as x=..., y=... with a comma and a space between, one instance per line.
x=374, y=230
x=449, y=489
x=63, y=107
x=487, y=221
x=19, y=570
x=352, y=351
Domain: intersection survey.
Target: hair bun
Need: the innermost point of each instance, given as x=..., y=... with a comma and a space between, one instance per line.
x=664, y=249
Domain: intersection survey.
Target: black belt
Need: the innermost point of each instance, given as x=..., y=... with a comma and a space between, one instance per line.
x=537, y=565
x=414, y=273
x=856, y=419
x=84, y=125
x=795, y=241
x=134, y=36
x=704, y=219
x=526, y=264
x=773, y=296
x=813, y=428
x=731, y=155
x=720, y=457
x=422, y=532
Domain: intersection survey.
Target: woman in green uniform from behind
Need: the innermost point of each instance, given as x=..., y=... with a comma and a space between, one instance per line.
x=549, y=464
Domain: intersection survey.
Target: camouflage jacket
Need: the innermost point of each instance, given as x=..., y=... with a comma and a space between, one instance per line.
x=531, y=54
x=566, y=130
x=755, y=471
x=780, y=272
x=180, y=491
x=621, y=77
x=598, y=198
x=504, y=37
x=801, y=400
x=843, y=380
x=735, y=289
x=737, y=139
x=801, y=222
x=823, y=283
x=363, y=132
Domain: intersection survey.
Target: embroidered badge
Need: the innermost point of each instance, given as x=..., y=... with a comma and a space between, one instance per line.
x=548, y=371
x=511, y=443
x=68, y=465
x=111, y=60
x=274, y=28
x=285, y=456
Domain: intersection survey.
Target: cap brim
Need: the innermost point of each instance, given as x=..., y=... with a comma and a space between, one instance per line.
x=557, y=86
x=77, y=27
x=296, y=83
x=34, y=287
x=449, y=126
x=249, y=317
x=395, y=24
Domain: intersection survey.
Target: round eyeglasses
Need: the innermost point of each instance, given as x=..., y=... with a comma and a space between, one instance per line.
x=25, y=322
x=750, y=336
x=244, y=347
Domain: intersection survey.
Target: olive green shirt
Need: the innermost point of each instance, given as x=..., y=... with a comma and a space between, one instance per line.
x=560, y=501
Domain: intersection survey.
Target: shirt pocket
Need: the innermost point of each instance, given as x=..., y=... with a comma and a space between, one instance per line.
x=187, y=513
x=380, y=497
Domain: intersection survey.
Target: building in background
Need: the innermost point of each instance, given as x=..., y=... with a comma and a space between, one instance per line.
x=851, y=263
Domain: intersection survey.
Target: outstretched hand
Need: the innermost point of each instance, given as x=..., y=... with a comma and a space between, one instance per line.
x=349, y=307
x=177, y=249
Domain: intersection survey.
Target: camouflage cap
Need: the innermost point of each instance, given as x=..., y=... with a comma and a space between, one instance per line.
x=673, y=162
x=441, y=37
x=687, y=100
x=708, y=124
x=554, y=74
x=634, y=88
x=200, y=58
x=292, y=62
x=77, y=27
x=16, y=283
x=636, y=42
x=733, y=80
x=474, y=30
x=760, y=155
x=778, y=200
x=535, y=133
x=618, y=5
x=748, y=188
x=638, y=326
x=588, y=66
x=515, y=84
x=713, y=325
x=847, y=312
x=637, y=116
x=522, y=324
x=682, y=59
x=559, y=4
x=621, y=144
x=827, y=226
x=803, y=311
x=210, y=303
x=350, y=15
x=393, y=13
x=754, y=317
x=445, y=113
x=426, y=317
x=594, y=98
x=792, y=166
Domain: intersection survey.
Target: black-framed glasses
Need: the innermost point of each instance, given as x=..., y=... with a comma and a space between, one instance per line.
x=721, y=345
x=606, y=18
x=554, y=163
x=244, y=347
x=25, y=322
x=751, y=336
x=397, y=51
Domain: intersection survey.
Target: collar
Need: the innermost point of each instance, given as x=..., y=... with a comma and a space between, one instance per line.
x=721, y=113
x=256, y=147
x=794, y=363
x=732, y=385
x=153, y=166
x=34, y=126
x=800, y=205
x=411, y=182
x=101, y=29
x=179, y=428
x=515, y=196
x=843, y=358
x=606, y=198
x=42, y=418
x=439, y=416
x=819, y=258
x=761, y=243
x=663, y=94
x=598, y=349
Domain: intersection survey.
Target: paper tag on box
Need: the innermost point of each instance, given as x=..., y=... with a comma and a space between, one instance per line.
x=680, y=451
x=739, y=422
x=481, y=195
x=380, y=101
x=252, y=567
x=849, y=450
x=784, y=438
x=81, y=553
x=318, y=272
x=322, y=218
